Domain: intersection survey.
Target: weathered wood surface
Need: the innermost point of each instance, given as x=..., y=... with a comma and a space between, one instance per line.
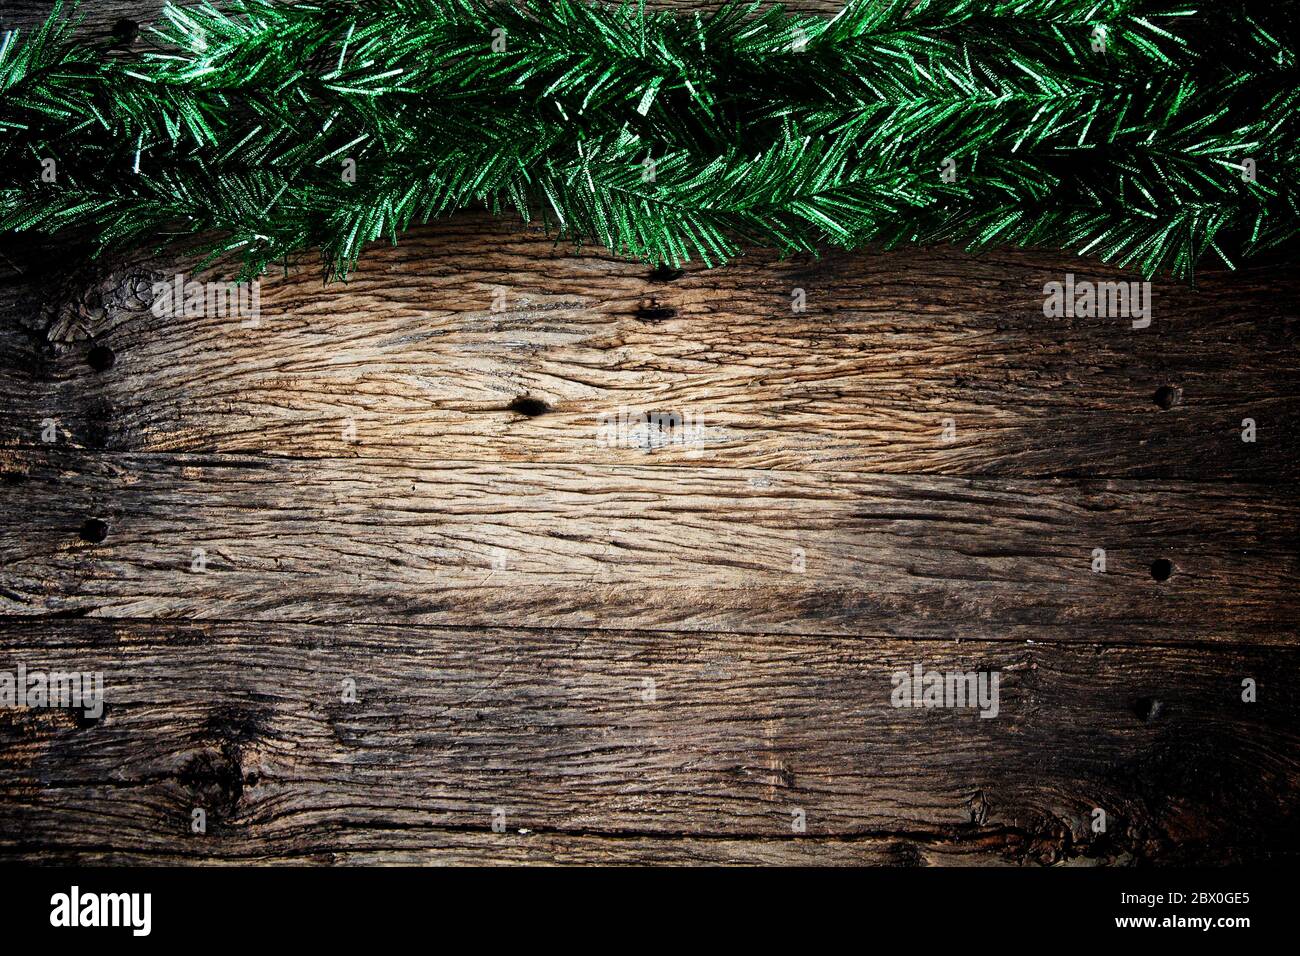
x=702, y=549
x=395, y=482
x=409, y=360
x=557, y=729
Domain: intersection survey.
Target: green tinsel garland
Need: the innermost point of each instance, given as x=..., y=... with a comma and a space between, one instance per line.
x=1146, y=132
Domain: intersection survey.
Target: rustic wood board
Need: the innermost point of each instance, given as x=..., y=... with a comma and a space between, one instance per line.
x=409, y=360
x=408, y=480
x=461, y=543
x=556, y=728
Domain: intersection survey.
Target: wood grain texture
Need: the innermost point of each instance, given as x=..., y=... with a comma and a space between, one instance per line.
x=555, y=728
x=411, y=361
x=395, y=482
x=572, y=545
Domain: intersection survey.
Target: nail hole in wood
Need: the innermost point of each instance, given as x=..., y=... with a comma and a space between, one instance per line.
x=125, y=32
x=85, y=720
x=1161, y=569
x=654, y=314
x=530, y=407
x=94, y=530
x=1167, y=396
x=1149, y=708
x=665, y=274
x=100, y=358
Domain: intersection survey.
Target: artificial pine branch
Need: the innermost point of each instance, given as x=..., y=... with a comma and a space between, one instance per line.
x=759, y=125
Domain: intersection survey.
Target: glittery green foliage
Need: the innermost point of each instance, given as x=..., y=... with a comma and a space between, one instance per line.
x=1125, y=129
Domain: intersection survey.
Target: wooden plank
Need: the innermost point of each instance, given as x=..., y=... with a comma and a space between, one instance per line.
x=464, y=544
x=916, y=361
x=556, y=727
